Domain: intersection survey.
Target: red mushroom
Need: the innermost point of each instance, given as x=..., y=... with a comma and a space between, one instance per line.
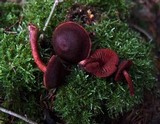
x=102, y=63
x=54, y=72
x=123, y=73
x=71, y=42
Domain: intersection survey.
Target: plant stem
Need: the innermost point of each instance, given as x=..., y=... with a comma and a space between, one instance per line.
x=17, y=115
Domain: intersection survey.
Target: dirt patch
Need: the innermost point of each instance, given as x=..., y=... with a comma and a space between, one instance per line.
x=83, y=14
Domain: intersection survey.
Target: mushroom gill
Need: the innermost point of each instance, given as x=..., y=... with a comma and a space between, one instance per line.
x=102, y=63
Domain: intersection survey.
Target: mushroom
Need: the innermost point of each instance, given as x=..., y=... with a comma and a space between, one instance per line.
x=102, y=63
x=54, y=71
x=71, y=42
x=123, y=73
x=54, y=74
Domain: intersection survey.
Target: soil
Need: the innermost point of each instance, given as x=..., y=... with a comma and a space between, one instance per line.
x=85, y=15
x=148, y=112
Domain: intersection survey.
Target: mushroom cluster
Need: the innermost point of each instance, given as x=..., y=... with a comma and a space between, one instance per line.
x=104, y=63
x=72, y=45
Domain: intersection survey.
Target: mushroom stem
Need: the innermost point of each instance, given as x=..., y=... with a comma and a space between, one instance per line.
x=129, y=81
x=33, y=36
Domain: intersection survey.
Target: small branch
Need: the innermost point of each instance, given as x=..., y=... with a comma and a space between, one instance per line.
x=142, y=31
x=51, y=13
x=10, y=32
x=17, y=115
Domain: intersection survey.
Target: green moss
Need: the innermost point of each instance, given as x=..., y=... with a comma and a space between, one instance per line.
x=18, y=83
x=9, y=14
x=84, y=97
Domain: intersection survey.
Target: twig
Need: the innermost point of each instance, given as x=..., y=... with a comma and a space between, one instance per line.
x=10, y=32
x=142, y=31
x=17, y=115
x=51, y=13
x=19, y=21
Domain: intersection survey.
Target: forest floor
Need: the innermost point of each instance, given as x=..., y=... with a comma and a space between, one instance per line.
x=145, y=16
x=145, y=19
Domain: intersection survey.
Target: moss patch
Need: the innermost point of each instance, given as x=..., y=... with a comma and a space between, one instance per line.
x=85, y=96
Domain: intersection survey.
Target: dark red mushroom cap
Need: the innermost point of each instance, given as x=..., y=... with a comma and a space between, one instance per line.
x=122, y=72
x=55, y=73
x=102, y=63
x=71, y=42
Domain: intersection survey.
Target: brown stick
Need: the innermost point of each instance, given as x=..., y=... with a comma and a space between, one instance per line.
x=33, y=32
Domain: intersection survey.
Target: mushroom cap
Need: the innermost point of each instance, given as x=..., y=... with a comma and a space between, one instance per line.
x=55, y=73
x=71, y=42
x=102, y=63
x=124, y=65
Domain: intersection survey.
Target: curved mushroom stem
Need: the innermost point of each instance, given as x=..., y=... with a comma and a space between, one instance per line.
x=33, y=36
x=129, y=81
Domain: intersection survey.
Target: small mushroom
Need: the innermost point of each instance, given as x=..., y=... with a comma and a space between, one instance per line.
x=102, y=63
x=71, y=42
x=54, y=71
x=54, y=74
x=123, y=73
